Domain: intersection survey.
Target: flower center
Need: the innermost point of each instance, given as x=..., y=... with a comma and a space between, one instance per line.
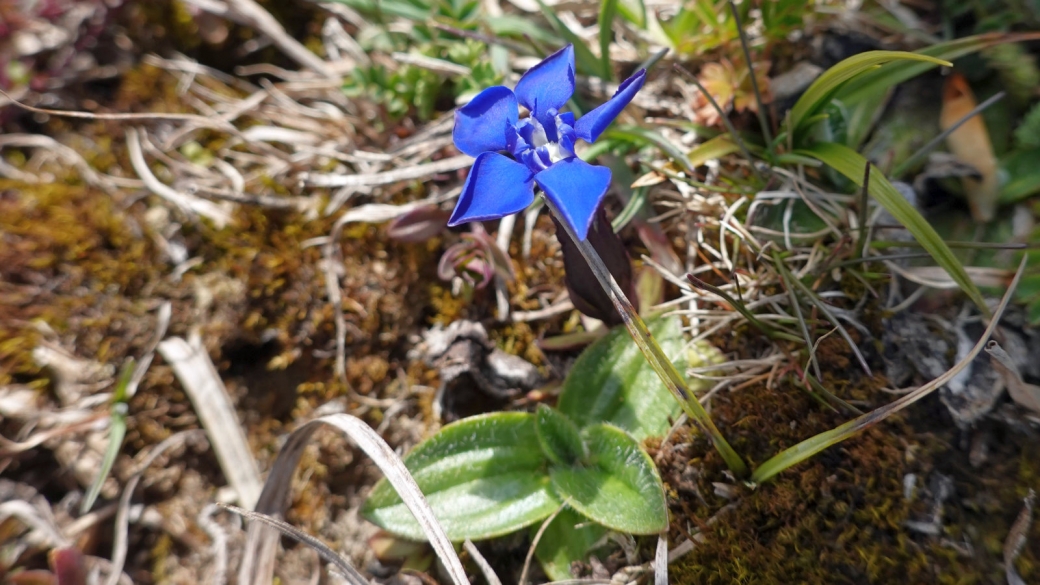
x=542, y=145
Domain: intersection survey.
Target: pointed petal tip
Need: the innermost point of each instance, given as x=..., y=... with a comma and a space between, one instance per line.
x=592, y=124
x=485, y=123
x=549, y=84
x=576, y=189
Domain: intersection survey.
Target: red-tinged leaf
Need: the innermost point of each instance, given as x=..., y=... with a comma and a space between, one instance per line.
x=69, y=566
x=36, y=577
x=419, y=225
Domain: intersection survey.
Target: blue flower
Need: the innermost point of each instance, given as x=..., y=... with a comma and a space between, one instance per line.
x=541, y=145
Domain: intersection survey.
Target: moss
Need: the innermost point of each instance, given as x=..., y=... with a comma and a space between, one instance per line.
x=160, y=553
x=446, y=306
x=72, y=260
x=840, y=516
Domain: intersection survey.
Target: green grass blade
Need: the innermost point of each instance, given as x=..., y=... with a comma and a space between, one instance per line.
x=633, y=208
x=896, y=72
x=813, y=445
x=866, y=94
x=585, y=61
x=392, y=8
x=827, y=85
x=509, y=25
x=644, y=137
x=607, y=11
x=851, y=164
x=116, y=434
x=633, y=11
x=718, y=147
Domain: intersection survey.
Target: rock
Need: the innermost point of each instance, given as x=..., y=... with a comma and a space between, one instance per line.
x=468, y=362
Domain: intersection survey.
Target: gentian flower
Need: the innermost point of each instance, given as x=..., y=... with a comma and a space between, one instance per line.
x=541, y=145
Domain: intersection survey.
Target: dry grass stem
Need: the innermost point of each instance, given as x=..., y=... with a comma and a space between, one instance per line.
x=202, y=383
x=257, y=566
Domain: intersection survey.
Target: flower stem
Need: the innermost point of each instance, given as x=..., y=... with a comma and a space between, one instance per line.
x=653, y=352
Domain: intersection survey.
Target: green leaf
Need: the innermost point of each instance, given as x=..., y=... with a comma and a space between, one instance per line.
x=484, y=476
x=620, y=488
x=863, y=116
x=612, y=382
x=607, y=10
x=827, y=85
x=560, y=438
x=851, y=164
x=1023, y=176
x=568, y=538
x=1027, y=135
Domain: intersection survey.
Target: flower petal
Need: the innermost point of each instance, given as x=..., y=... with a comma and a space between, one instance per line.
x=497, y=186
x=576, y=188
x=592, y=124
x=487, y=122
x=549, y=84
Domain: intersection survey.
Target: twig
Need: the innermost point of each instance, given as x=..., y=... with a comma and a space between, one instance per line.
x=921, y=152
x=257, y=565
x=187, y=203
x=67, y=155
x=119, y=539
x=1016, y=539
x=766, y=134
x=220, y=545
x=550, y=311
x=486, y=39
x=822, y=306
x=202, y=383
x=742, y=309
x=534, y=543
x=202, y=121
x=387, y=177
x=722, y=115
x=251, y=14
x=505, y=234
x=485, y=567
x=864, y=215
x=661, y=560
x=797, y=307
x=345, y=569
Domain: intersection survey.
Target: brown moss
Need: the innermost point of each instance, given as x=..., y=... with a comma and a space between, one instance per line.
x=840, y=516
x=69, y=258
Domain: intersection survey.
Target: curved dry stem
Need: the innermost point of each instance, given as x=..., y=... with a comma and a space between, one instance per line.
x=257, y=566
x=348, y=572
